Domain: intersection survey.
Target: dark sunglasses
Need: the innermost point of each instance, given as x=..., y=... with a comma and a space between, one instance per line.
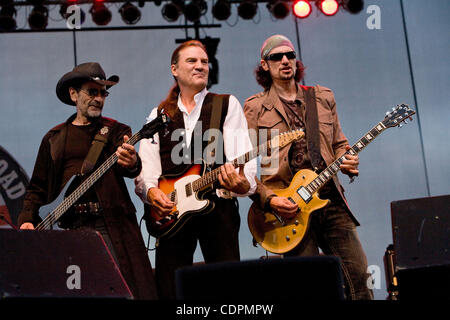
x=93, y=92
x=279, y=56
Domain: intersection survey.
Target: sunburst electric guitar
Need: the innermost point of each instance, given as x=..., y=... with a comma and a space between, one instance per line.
x=278, y=235
x=187, y=189
x=73, y=190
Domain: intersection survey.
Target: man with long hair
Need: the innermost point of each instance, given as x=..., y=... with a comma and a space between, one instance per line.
x=193, y=111
x=285, y=105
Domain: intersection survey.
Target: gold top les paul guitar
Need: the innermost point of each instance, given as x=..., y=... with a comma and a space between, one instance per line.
x=278, y=235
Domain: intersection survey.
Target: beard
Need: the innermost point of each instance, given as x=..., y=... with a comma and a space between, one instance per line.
x=93, y=113
x=286, y=76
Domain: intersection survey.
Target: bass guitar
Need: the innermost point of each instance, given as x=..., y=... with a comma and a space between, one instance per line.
x=188, y=188
x=278, y=235
x=64, y=202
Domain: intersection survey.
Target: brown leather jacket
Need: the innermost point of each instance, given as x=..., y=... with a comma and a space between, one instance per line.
x=265, y=111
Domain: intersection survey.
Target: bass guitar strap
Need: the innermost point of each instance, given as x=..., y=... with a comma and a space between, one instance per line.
x=99, y=141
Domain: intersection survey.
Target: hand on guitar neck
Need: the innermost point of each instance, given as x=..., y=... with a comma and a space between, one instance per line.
x=126, y=154
x=233, y=181
x=350, y=165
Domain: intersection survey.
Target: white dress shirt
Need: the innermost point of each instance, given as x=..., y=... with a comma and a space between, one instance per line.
x=235, y=137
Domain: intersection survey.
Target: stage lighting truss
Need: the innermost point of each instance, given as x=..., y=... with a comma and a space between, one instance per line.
x=171, y=10
x=302, y=8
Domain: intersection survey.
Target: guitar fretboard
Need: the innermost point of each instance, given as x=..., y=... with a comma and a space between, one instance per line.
x=210, y=177
x=334, y=168
x=70, y=200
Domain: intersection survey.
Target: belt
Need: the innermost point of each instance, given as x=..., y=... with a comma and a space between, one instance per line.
x=93, y=208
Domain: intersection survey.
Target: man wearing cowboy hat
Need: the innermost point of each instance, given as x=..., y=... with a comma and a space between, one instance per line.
x=70, y=149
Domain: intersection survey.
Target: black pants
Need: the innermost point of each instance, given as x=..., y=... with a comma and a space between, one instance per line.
x=217, y=232
x=335, y=233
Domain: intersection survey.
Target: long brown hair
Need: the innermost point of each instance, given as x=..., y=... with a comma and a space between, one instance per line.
x=170, y=103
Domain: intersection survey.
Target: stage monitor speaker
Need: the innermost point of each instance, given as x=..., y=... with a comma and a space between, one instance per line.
x=58, y=264
x=293, y=278
x=427, y=283
x=421, y=229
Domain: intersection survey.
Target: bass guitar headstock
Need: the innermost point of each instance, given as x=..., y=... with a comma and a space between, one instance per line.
x=159, y=123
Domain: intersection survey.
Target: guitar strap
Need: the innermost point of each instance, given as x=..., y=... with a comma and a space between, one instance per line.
x=216, y=114
x=99, y=141
x=312, y=126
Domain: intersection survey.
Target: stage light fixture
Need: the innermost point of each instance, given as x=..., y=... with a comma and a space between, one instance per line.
x=247, y=9
x=195, y=9
x=353, y=6
x=7, y=21
x=38, y=18
x=172, y=10
x=221, y=10
x=328, y=7
x=278, y=8
x=130, y=13
x=301, y=8
x=100, y=13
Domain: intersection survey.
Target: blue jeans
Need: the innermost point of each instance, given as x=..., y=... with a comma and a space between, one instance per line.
x=332, y=230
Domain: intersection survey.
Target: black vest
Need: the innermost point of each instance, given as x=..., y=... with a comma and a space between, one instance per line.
x=175, y=155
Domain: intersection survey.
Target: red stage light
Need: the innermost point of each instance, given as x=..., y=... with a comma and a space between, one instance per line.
x=301, y=9
x=328, y=7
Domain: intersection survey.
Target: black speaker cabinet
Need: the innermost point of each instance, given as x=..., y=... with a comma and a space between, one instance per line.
x=58, y=264
x=293, y=278
x=421, y=229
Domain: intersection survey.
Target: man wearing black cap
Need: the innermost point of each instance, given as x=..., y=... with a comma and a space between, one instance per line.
x=77, y=146
x=285, y=105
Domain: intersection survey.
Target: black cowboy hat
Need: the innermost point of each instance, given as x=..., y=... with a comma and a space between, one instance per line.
x=89, y=71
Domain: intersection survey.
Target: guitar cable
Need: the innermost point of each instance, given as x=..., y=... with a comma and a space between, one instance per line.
x=148, y=238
